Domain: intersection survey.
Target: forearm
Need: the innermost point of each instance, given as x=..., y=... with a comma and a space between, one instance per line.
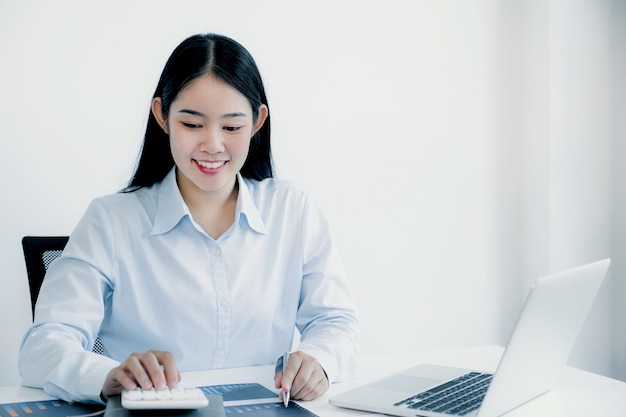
x=54, y=360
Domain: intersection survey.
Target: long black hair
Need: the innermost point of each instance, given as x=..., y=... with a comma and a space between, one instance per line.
x=196, y=56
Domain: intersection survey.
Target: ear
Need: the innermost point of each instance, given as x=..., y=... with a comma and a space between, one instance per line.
x=262, y=115
x=157, y=112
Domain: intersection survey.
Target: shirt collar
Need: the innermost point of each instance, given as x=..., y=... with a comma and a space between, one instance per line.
x=246, y=208
x=171, y=207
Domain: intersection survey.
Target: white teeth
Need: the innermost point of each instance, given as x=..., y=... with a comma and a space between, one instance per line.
x=211, y=165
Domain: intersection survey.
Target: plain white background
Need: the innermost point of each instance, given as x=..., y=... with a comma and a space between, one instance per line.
x=459, y=149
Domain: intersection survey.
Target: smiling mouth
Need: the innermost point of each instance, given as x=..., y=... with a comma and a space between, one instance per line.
x=211, y=165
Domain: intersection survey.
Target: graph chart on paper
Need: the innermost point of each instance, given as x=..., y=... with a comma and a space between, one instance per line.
x=268, y=410
x=241, y=392
x=254, y=400
x=52, y=408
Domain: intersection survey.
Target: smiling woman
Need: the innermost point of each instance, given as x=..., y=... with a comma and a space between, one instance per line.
x=173, y=267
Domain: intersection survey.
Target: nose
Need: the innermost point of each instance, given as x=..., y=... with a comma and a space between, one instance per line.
x=212, y=141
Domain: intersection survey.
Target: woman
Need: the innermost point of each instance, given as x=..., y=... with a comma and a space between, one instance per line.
x=204, y=261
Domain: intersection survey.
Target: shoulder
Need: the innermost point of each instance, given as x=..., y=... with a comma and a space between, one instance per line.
x=114, y=218
x=283, y=199
x=276, y=190
x=120, y=199
x=124, y=204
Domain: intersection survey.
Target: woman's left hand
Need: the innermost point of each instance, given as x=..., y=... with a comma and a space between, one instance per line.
x=304, y=377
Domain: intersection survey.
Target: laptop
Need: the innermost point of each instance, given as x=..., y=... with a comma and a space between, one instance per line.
x=547, y=328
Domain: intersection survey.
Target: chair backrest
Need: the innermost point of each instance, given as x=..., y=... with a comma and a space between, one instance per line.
x=39, y=252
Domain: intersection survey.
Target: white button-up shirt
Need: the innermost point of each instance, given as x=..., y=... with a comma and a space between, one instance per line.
x=139, y=273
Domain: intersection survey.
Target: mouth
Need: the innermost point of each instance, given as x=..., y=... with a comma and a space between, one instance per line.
x=211, y=165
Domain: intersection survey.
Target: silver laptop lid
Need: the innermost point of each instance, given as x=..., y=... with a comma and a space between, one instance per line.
x=546, y=331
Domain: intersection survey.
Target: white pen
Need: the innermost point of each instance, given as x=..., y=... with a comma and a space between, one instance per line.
x=287, y=394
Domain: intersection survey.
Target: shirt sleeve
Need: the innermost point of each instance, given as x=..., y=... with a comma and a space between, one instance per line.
x=55, y=353
x=327, y=318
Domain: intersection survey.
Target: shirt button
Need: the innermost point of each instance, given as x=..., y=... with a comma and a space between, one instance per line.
x=216, y=252
x=224, y=303
x=221, y=352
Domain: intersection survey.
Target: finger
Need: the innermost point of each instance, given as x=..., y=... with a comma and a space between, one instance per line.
x=124, y=379
x=290, y=372
x=151, y=362
x=310, y=382
x=117, y=380
x=278, y=379
x=168, y=363
x=300, y=386
x=135, y=368
x=311, y=391
x=298, y=372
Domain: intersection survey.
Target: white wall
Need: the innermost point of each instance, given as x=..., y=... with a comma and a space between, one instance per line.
x=405, y=120
x=618, y=174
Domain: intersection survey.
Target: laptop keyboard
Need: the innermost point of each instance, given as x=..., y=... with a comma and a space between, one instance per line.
x=457, y=397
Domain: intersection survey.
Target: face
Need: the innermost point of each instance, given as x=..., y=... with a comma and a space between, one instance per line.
x=210, y=126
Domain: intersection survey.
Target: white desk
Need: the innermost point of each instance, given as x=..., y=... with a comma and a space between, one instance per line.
x=578, y=393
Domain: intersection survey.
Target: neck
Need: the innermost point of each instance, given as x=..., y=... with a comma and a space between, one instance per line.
x=196, y=197
x=213, y=211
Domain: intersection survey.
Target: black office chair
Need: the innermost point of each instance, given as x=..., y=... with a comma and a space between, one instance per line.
x=39, y=252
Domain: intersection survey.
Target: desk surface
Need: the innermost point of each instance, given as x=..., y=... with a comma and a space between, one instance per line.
x=578, y=393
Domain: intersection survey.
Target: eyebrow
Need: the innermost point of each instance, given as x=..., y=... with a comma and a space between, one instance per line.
x=200, y=114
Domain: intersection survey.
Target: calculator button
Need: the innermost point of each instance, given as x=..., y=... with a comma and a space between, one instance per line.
x=134, y=394
x=177, y=393
x=163, y=394
x=149, y=394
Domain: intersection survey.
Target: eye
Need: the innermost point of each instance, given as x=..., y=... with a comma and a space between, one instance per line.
x=232, y=128
x=191, y=125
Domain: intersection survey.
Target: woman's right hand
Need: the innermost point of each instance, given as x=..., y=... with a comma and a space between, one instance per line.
x=153, y=369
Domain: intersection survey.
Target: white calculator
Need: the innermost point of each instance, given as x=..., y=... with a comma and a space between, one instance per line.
x=167, y=399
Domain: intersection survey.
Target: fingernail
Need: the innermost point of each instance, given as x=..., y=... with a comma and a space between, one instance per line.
x=161, y=385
